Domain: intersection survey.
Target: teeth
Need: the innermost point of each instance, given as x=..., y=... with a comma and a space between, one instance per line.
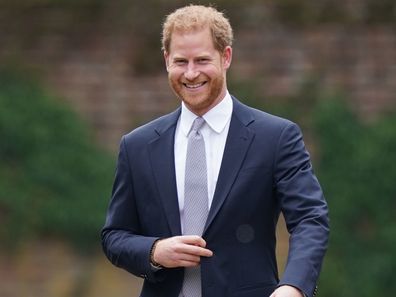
x=194, y=86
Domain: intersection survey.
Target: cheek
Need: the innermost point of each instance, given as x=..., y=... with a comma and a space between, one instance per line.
x=174, y=74
x=214, y=71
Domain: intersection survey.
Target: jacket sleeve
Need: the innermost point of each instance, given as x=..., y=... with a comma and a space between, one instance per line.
x=305, y=211
x=122, y=242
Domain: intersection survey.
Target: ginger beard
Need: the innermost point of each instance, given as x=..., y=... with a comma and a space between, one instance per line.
x=199, y=95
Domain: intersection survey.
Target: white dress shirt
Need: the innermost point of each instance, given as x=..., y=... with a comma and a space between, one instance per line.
x=214, y=132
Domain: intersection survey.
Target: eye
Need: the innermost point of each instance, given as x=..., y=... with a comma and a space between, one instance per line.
x=180, y=62
x=203, y=60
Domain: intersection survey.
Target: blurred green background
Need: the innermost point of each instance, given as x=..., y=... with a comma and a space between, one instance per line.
x=76, y=75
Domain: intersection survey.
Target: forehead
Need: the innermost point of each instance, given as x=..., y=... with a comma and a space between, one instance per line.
x=191, y=41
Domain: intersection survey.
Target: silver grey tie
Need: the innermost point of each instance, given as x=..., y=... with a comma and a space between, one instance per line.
x=195, y=201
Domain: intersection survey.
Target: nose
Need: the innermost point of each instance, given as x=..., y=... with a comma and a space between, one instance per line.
x=191, y=72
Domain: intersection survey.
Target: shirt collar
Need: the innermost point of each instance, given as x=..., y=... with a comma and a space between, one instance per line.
x=217, y=118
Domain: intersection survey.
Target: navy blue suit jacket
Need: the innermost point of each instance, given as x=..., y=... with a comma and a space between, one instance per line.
x=265, y=169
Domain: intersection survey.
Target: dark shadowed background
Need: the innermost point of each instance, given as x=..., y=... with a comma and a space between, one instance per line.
x=75, y=75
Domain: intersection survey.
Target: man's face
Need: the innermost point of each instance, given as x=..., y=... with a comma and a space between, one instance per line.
x=196, y=70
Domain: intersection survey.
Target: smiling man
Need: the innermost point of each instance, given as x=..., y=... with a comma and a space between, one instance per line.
x=198, y=192
x=197, y=70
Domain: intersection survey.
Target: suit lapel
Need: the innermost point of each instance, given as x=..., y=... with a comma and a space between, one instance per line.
x=163, y=166
x=162, y=162
x=238, y=141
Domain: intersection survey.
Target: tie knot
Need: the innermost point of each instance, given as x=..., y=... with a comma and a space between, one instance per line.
x=197, y=124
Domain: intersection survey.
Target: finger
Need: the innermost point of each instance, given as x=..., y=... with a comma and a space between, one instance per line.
x=196, y=251
x=187, y=264
x=193, y=240
x=199, y=242
x=190, y=258
x=202, y=252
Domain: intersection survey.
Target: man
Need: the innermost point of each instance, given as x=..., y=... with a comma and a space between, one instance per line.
x=198, y=192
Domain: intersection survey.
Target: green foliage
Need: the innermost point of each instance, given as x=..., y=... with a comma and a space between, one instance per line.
x=358, y=174
x=54, y=182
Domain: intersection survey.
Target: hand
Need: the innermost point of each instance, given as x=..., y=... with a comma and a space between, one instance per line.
x=287, y=291
x=180, y=251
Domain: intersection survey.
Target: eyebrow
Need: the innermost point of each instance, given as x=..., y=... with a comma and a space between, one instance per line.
x=179, y=58
x=205, y=56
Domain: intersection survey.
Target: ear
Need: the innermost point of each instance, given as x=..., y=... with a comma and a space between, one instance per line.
x=227, y=57
x=166, y=58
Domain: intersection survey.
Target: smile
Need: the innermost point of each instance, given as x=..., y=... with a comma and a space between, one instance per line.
x=194, y=86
